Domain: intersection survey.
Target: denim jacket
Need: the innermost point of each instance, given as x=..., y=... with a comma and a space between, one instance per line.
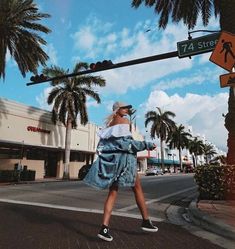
x=117, y=159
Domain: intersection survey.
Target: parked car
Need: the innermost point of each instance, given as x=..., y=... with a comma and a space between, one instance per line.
x=166, y=170
x=189, y=169
x=83, y=171
x=153, y=171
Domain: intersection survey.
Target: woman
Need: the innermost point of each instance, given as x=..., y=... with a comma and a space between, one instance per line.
x=116, y=166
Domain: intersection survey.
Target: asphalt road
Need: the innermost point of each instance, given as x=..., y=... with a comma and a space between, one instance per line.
x=158, y=189
x=67, y=215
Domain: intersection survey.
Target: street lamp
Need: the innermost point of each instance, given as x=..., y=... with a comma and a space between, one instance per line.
x=201, y=30
x=170, y=154
x=173, y=157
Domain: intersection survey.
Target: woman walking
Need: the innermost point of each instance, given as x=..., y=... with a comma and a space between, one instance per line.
x=116, y=166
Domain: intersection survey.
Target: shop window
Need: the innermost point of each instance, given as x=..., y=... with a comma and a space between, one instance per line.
x=36, y=154
x=77, y=157
x=11, y=153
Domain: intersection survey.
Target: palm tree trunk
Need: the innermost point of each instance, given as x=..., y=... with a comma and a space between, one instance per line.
x=229, y=124
x=195, y=160
x=67, y=148
x=162, y=155
x=130, y=127
x=227, y=24
x=180, y=159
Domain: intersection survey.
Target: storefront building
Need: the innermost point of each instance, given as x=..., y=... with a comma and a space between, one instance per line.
x=29, y=138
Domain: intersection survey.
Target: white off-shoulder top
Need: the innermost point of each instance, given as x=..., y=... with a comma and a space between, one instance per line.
x=118, y=130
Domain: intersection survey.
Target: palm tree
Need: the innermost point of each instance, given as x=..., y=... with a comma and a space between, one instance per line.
x=208, y=151
x=162, y=126
x=189, y=12
x=18, y=35
x=179, y=139
x=220, y=159
x=131, y=113
x=196, y=149
x=69, y=98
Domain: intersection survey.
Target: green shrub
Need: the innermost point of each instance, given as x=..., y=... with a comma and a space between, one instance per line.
x=27, y=175
x=15, y=176
x=8, y=176
x=215, y=182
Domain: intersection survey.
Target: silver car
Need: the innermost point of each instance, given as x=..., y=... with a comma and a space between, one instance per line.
x=153, y=171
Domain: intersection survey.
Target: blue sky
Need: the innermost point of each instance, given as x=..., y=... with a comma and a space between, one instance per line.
x=92, y=30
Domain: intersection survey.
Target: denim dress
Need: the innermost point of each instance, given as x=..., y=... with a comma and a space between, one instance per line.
x=117, y=158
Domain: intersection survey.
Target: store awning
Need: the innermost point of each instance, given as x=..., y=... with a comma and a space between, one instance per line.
x=156, y=161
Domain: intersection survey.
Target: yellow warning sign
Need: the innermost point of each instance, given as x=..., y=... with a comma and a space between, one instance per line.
x=227, y=80
x=224, y=52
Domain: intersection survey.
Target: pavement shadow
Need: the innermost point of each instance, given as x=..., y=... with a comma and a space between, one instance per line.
x=68, y=219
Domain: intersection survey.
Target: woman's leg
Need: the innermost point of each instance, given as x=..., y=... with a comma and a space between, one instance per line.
x=139, y=197
x=109, y=203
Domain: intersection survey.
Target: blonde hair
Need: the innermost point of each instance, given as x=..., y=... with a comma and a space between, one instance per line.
x=110, y=118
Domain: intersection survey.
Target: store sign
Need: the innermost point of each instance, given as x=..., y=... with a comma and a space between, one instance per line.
x=37, y=129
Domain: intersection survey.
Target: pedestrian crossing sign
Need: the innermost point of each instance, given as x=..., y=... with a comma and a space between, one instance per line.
x=227, y=80
x=224, y=52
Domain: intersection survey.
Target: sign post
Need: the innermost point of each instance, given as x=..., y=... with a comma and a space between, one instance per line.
x=200, y=45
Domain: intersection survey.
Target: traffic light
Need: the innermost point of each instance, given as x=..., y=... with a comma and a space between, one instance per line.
x=38, y=78
x=101, y=65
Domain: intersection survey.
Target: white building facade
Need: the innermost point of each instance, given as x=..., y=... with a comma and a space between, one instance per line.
x=29, y=138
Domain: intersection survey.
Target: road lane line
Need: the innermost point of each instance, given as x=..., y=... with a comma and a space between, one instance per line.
x=87, y=210
x=156, y=200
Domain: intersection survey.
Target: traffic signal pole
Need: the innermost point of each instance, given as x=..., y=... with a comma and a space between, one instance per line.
x=117, y=65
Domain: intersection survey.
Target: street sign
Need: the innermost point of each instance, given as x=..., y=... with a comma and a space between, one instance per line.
x=227, y=80
x=202, y=44
x=224, y=52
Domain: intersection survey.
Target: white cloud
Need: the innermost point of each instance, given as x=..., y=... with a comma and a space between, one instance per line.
x=204, y=58
x=98, y=44
x=42, y=99
x=75, y=59
x=92, y=103
x=84, y=38
x=52, y=53
x=202, y=112
x=8, y=56
x=199, y=77
x=147, y=44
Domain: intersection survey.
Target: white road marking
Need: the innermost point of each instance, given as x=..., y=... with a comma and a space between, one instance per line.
x=157, y=199
x=87, y=210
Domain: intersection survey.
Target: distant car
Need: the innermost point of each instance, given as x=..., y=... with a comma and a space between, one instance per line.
x=166, y=170
x=189, y=169
x=153, y=171
x=159, y=171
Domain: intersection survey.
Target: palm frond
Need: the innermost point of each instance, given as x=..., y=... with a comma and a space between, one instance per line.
x=55, y=92
x=136, y=3
x=205, y=7
x=90, y=81
x=91, y=93
x=17, y=29
x=63, y=111
x=80, y=67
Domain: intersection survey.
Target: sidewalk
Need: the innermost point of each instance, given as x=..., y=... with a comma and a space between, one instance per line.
x=215, y=216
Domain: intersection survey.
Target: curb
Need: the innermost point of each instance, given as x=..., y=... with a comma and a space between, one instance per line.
x=210, y=223
x=38, y=181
